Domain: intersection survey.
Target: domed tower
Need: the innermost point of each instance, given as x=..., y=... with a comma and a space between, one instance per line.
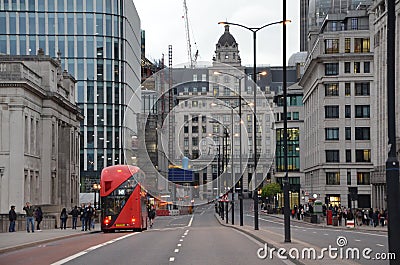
x=227, y=50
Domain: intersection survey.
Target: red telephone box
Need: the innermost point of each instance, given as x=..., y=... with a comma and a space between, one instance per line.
x=329, y=217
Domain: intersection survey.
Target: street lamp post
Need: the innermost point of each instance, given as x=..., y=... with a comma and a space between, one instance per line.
x=285, y=136
x=392, y=163
x=254, y=30
x=239, y=78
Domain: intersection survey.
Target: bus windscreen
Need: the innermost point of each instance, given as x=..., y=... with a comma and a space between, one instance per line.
x=115, y=202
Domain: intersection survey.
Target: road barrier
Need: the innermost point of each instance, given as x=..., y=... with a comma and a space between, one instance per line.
x=350, y=223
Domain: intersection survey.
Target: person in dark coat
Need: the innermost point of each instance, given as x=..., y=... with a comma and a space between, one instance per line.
x=75, y=213
x=30, y=220
x=152, y=215
x=82, y=214
x=38, y=217
x=63, y=218
x=12, y=216
x=88, y=216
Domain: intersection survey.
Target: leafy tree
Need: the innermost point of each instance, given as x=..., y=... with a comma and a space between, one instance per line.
x=270, y=189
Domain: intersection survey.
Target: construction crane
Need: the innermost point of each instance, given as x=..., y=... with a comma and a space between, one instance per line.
x=191, y=58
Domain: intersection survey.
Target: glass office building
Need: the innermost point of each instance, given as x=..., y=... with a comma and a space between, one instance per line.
x=98, y=42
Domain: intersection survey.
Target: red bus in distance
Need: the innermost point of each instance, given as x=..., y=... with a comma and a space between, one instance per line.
x=123, y=199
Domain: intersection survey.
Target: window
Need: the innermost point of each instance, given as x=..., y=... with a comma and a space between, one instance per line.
x=347, y=67
x=362, y=89
x=195, y=103
x=216, y=91
x=347, y=45
x=332, y=178
x=331, y=112
x=185, y=129
x=348, y=155
x=362, y=111
x=331, y=133
x=332, y=89
x=347, y=89
x=347, y=133
x=348, y=178
x=363, y=155
x=347, y=111
x=361, y=45
x=331, y=46
x=186, y=141
x=362, y=133
x=295, y=116
x=365, y=45
x=354, y=23
x=331, y=68
x=357, y=67
x=332, y=156
x=363, y=178
x=215, y=128
x=367, y=67
x=195, y=141
x=357, y=45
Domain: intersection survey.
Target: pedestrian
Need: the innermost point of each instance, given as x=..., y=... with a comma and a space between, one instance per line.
x=82, y=214
x=152, y=215
x=29, y=211
x=376, y=218
x=382, y=218
x=63, y=218
x=88, y=216
x=340, y=215
x=75, y=213
x=38, y=217
x=12, y=216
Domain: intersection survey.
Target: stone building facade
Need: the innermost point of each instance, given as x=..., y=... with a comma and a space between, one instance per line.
x=338, y=88
x=39, y=134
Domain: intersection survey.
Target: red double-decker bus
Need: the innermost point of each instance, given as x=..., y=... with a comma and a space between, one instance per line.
x=123, y=199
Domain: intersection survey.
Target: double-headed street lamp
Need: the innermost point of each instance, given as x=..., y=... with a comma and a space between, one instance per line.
x=239, y=78
x=255, y=30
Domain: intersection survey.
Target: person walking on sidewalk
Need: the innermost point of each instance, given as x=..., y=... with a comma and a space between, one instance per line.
x=75, y=214
x=64, y=218
x=12, y=216
x=82, y=214
x=88, y=216
x=29, y=211
x=39, y=217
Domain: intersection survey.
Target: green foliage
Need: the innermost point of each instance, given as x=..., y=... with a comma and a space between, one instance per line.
x=271, y=189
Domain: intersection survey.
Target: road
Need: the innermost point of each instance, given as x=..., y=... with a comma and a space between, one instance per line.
x=192, y=239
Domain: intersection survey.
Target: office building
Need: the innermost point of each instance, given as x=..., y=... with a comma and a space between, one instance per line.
x=98, y=42
x=338, y=88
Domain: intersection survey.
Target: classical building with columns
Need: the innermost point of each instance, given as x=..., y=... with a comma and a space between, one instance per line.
x=39, y=134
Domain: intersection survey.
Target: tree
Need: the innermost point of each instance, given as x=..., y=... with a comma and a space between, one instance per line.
x=271, y=189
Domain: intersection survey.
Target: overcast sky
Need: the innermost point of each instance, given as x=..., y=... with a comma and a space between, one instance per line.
x=164, y=25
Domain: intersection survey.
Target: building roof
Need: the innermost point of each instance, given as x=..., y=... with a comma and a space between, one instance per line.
x=226, y=38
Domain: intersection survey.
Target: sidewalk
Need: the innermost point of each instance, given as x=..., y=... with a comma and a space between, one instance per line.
x=22, y=239
x=324, y=225
x=276, y=241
